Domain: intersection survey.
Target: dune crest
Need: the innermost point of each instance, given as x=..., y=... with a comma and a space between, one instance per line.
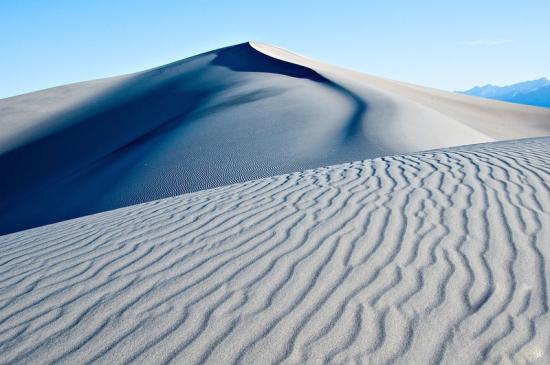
x=493, y=119
x=231, y=115
x=245, y=247
x=432, y=257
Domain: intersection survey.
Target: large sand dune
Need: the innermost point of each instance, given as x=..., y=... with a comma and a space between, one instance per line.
x=227, y=116
x=441, y=256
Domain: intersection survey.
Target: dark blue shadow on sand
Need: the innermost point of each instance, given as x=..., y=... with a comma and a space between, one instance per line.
x=37, y=185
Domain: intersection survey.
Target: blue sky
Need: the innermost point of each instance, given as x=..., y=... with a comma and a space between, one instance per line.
x=445, y=44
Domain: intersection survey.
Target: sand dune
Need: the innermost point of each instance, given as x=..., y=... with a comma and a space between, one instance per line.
x=440, y=256
x=410, y=257
x=227, y=116
x=414, y=104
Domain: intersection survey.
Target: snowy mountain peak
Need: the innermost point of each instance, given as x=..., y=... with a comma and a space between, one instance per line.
x=534, y=92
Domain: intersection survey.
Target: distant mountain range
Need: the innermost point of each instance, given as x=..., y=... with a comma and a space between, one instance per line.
x=536, y=92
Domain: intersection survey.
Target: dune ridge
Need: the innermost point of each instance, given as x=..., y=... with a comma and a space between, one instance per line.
x=429, y=257
x=235, y=114
x=493, y=119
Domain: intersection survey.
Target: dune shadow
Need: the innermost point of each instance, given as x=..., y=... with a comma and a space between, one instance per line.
x=36, y=175
x=245, y=59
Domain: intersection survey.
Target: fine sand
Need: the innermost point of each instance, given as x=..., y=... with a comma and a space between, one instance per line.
x=231, y=115
x=432, y=257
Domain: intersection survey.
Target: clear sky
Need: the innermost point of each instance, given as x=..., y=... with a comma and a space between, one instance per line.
x=451, y=45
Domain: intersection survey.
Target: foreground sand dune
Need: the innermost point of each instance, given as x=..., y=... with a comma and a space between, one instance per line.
x=226, y=116
x=419, y=258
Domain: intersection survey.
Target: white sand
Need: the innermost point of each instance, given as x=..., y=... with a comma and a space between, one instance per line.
x=446, y=113
x=440, y=256
x=409, y=257
x=227, y=116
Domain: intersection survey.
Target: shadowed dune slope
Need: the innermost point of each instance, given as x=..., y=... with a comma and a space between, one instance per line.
x=434, y=257
x=227, y=116
x=438, y=108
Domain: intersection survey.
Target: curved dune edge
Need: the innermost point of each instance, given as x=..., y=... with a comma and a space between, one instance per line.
x=428, y=257
x=227, y=116
x=492, y=119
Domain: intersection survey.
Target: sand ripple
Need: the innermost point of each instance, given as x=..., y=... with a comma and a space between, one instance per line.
x=439, y=256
